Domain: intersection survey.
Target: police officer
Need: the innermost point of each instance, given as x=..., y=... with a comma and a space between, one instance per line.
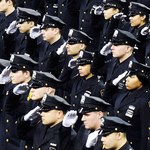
x=51, y=33
x=113, y=15
x=49, y=133
x=139, y=16
x=133, y=106
x=21, y=70
x=92, y=109
x=114, y=133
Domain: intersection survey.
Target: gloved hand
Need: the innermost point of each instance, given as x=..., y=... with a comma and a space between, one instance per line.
x=92, y=139
x=119, y=16
x=12, y=28
x=32, y=114
x=20, y=88
x=106, y=49
x=72, y=63
x=70, y=118
x=120, y=77
x=145, y=30
x=4, y=76
x=97, y=10
x=61, y=49
x=35, y=32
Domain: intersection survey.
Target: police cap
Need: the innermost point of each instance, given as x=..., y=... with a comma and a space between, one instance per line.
x=120, y=4
x=22, y=62
x=43, y=79
x=52, y=22
x=27, y=14
x=93, y=103
x=121, y=37
x=76, y=36
x=54, y=102
x=85, y=58
x=142, y=71
x=110, y=124
x=138, y=9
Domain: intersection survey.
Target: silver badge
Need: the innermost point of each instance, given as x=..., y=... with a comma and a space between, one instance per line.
x=115, y=33
x=130, y=111
x=12, y=58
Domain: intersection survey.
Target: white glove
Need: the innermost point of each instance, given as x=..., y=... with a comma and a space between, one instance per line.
x=97, y=10
x=4, y=76
x=70, y=118
x=72, y=63
x=92, y=139
x=20, y=88
x=32, y=114
x=145, y=30
x=119, y=16
x=61, y=49
x=35, y=32
x=12, y=28
x=106, y=49
x=121, y=76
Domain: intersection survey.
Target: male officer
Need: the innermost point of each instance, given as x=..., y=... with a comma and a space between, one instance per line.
x=7, y=8
x=114, y=133
x=51, y=33
x=49, y=133
x=21, y=71
x=139, y=17
x=92, y=109
x=25, y=42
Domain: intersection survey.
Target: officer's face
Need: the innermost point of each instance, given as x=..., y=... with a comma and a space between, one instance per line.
x=91, y=120
x=74, y=49
x=84, y=71
x=132, y=82
x=19, y=77
x=38, y=93
x=108, y=13
x=120, y=51
x=24, y=27
x=48, y=34
x=4, y=5
x=51, y=117
x=137, y=20
x=110, y=141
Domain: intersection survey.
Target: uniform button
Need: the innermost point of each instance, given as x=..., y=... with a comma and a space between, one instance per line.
x=7, y=92
x=7, y=120
x=65, y=97
x=82, y=20
x=39, y=148
x=41, y=63
x=118, y=112
x=26, y=147
x=24, y=2
x=81, y=28
x=148, y=128
x=84, y=12
x=63, y=5
x=128, y=121
x=131, y=143
x=75, y=96
x=149, y=138
x=47, y=6
x=6, y=130
x=60, y=12
x=17, y=52
x=74, y=105
x=7, y=140
x=1, y=110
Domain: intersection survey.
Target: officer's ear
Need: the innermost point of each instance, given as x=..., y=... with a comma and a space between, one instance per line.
x=143, y=17
x=116, y=10
x=31, y=23
x=83, y=46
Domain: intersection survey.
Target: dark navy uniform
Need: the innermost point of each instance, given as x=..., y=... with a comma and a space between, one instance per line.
x=6, y=45
x=68, y=11
x=85, y=22
x=147, y=53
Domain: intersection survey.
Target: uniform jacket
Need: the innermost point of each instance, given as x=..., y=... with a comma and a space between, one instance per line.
x=133, y=107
